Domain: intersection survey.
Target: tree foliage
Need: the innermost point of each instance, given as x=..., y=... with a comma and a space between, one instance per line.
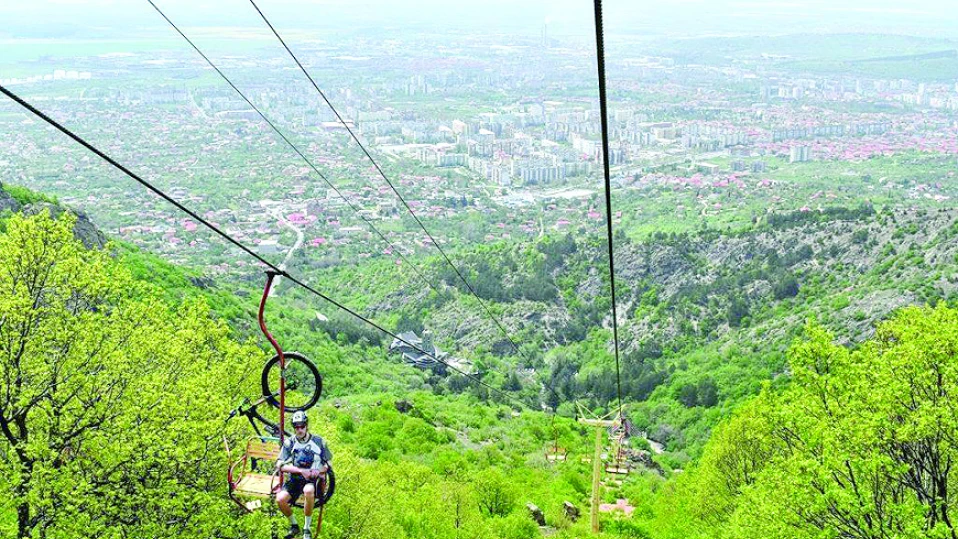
x=861, y=445
x=107, y=395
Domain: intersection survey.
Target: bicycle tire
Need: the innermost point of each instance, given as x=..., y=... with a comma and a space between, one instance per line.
x=330, y=489
x=291, y=358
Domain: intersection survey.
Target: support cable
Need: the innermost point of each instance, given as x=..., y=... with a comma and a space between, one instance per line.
x=603, y=109
x=242, y=247
x=295, y=148
x=383, y=174
x=309, y=163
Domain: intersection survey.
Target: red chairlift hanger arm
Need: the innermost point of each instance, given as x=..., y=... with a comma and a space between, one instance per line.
x=270, y=274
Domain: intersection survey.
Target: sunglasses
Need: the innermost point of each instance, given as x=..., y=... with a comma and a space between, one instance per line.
x=299, y=426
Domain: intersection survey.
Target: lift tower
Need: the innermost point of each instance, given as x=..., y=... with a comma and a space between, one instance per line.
x=601, y=424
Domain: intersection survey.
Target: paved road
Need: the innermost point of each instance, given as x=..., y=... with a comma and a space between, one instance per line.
x=299, y=241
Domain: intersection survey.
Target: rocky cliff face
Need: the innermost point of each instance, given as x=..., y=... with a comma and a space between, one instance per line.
x=7, y=202
x=766, y=281
x=84, y=229
x=854, y=272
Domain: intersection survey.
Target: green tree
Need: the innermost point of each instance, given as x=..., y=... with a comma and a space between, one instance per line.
x=108, y=396
x=512, y=382
x=735, y=454
x=494, y=493
x=737, y=310
x=688, y=395
x=786, y=287
x=863, y=442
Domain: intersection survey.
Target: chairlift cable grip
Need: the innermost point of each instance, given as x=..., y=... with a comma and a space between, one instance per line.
x=270, y=274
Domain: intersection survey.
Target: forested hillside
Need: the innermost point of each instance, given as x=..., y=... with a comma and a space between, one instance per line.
x=118, y=378
x=111, y=398
x=708, y=315
x=119, y=371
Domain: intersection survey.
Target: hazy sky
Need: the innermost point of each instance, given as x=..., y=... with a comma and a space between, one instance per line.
x=50, y=18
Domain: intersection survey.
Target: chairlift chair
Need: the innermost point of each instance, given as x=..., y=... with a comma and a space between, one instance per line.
x=255, y=475
x=556, y=454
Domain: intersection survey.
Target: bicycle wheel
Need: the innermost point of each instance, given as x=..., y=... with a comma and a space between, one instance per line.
x=304, y=384
x=330, y=488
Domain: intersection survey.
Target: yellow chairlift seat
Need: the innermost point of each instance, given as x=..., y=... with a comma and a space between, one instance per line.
x=618, y=468
x=247, y=477
x=618, y=465
x=556, y=454
x=255, y=484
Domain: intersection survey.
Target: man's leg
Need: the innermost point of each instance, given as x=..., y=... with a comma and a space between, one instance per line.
x=283, y=501
x=309, y=491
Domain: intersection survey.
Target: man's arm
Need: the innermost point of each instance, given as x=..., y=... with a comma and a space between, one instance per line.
x=289, y=468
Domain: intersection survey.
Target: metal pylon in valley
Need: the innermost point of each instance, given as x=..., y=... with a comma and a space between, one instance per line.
x=601, y=424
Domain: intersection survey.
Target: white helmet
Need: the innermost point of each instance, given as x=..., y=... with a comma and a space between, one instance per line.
x=299, y=418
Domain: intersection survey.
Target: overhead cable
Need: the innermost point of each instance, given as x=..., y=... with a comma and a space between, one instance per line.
x=242, y=247
x=383, y=174
x=603, y=110
x=295, y=148
x=309, y=163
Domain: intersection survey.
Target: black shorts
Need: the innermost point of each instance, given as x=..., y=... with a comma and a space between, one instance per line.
x=295, y=484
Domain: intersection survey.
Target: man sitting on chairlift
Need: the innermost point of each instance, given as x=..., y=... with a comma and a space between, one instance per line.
x=305, y=458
